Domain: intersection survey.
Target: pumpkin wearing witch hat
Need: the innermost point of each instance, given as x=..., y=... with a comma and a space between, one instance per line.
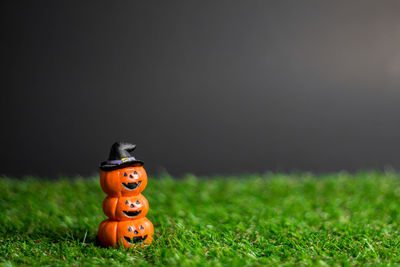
x=123, y=178
x=122, y=174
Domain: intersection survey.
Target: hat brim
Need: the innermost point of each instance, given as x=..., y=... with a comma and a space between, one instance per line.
x=110, y=167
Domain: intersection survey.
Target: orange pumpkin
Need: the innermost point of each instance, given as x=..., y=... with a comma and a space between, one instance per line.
x=129, y=181
x=127, y=233
x=126, y=208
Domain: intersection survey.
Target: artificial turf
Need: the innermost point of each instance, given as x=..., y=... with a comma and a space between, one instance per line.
x=246, y=220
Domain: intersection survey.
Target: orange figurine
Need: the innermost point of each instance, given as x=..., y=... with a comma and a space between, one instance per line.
x=127, y=233
x=124, y=182
x=125, y=208
x=123, y=178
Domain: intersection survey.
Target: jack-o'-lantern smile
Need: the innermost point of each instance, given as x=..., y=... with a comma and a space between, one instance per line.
x=127, y=181
x=135, y=239
x=131, y=186
x=126, y=208
x=129, y=233
x=131, y=213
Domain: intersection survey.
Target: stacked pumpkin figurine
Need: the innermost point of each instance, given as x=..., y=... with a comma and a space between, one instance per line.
x=123, y=178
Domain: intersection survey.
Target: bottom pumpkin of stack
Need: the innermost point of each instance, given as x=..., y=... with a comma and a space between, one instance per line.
x=128, y=233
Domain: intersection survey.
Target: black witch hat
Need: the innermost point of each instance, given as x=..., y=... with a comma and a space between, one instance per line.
x=120, y=157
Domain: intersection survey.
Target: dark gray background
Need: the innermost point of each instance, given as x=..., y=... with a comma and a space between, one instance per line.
x=204, y=87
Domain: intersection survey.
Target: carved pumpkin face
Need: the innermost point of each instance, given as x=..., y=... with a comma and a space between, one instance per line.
x=126, y=208
x=127, y=181
x=128, y=233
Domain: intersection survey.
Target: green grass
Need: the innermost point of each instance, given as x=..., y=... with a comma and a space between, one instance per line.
x=254, y=220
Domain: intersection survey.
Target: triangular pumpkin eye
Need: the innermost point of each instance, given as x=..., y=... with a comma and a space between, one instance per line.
x=137, y=202
x=126, y=202
x=141, y=227
x=125, y=174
